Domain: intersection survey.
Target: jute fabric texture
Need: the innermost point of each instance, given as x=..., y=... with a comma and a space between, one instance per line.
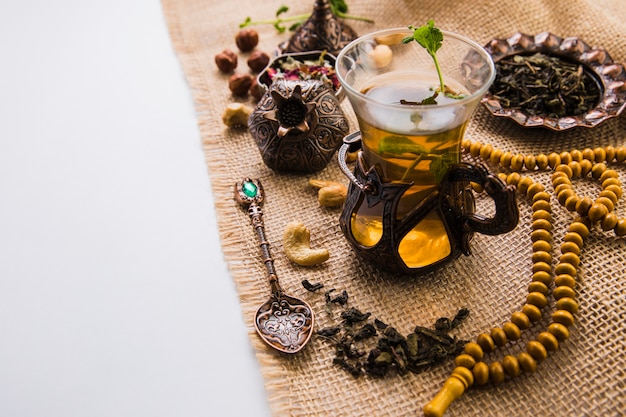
x=585, y=377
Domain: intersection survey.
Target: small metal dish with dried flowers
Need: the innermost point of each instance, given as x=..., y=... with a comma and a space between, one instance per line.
x=301, y=66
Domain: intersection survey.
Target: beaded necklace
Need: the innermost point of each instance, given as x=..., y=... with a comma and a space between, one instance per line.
x=470, y=366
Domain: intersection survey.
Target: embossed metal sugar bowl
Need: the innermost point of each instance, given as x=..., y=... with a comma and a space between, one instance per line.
x=298, y=125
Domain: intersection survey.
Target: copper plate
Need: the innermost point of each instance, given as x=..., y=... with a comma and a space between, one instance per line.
x=610, y=75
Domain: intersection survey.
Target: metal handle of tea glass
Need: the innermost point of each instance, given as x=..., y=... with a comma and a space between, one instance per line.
x=506, y=214
x=351, y=143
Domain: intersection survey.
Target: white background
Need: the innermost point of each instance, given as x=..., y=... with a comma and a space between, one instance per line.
x=114, y=295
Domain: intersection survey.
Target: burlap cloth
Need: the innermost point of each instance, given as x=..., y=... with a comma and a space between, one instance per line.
x=585, y=377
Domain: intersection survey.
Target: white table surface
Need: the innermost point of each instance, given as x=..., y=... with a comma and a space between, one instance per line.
x=115, y=299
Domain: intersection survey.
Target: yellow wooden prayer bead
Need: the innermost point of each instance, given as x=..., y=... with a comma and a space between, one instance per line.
x=536, y=350
x=521, y=320
x=542, y=214
x=496, y=373
x=477, y=187
x=600, y=154
x=549, y=341
x=485, y=152
x=523, y=184
x=620, y=154
x=513, y=178
x=564, y=195
x=540, y=234
x=511, y=366
x=567, y=304
x=543, y=277
x=517, y=162
x=538, y=286
x=576, y=169
x=481, y=373
x=571, y=202
x=565, y=268
x=541, y=266
x=589, y=154
x=498, y=336
x=608, y=173
x=542, y=245
x=567, y=247
x=535, y=187
x=585, y=167
x=527, y=362
x=542, y=205
x=609, y=222
x=532, y=312
x=495, y=156
x=465, y=360
x=474, y=350
x=561, y=186
x=565, y=280
x=505, y=159
x=613, y=188
x=574, y=237
x=542, y=256
x=620, y=227
x=559, y=331
x=565, y=169
x=557, y=174
x=577, y=155
x=610, y=195
x=566, y=157
x=554, y=159
x=579, y=228
x=530, y=162
x=486, y=342
x=605, y=201
x=537, y=299
x=543, y=195
x=466, y=144
x=598, y=170
x=612, y=181
x=597, y=212
x=583, y=205
x=610, y=153
x=564, y=317
x=474, y=149
x=502, y=176
x=542, y=161
x=570, y=258
x=512, y=331
x=564, y=291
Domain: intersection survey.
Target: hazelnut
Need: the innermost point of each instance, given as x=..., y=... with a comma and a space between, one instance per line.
x=247, y=39
x=255, y=90
x=257, y=61
x=226, y=60
x=239, y=84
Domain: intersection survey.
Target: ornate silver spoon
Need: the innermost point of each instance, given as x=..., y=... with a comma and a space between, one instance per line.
x=283, y=322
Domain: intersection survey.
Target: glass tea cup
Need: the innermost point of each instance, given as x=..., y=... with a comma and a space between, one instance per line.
x=411, y=144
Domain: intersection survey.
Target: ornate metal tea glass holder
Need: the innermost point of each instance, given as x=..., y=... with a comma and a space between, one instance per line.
x=452, y=202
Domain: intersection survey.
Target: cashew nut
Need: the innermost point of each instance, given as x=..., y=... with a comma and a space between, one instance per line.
x=236, y=114
x=330, y=194
x=297, y=245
